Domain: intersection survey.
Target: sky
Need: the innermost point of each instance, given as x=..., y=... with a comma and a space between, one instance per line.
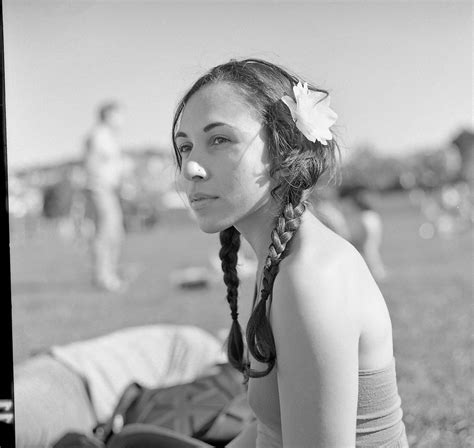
x=399, y=73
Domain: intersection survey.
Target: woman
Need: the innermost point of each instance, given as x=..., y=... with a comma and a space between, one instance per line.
x=251, y=141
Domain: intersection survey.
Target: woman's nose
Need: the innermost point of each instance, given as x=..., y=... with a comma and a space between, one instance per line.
x=192, y=170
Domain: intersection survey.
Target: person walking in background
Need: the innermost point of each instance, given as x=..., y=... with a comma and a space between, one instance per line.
x=103, y=165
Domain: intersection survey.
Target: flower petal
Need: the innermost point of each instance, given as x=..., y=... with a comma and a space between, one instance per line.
x=311, y=112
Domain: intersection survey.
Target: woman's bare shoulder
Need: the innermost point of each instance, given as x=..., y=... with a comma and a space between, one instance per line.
x=324, y=275
x=313, y=308
x=323, y=256
x=327, y=281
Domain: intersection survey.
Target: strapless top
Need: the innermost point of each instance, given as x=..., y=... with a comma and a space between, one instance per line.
x=379, y=412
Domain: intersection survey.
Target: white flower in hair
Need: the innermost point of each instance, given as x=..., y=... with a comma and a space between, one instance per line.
x=311, y=113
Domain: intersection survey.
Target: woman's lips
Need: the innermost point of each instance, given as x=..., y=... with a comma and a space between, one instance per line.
x=199, y=203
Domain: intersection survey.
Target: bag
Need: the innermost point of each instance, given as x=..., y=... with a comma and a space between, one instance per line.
x=209, y=411
x=137, y=435
x=212, y=409
x=132, y=436
x=77, y=440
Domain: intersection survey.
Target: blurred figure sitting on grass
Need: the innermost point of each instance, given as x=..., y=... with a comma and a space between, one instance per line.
x=103, y=166
x=366, y=231
x=348, y=212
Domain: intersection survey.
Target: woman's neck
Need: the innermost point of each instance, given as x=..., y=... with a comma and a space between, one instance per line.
x=258, y=233
x=257, y=229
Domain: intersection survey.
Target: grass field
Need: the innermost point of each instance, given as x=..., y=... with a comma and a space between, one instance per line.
x=429, y=293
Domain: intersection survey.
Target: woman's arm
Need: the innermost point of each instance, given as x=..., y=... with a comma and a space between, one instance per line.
x=316, y=335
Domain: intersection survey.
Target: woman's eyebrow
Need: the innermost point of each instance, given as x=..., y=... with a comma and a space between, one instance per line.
x=206, y=128
x=213, y=125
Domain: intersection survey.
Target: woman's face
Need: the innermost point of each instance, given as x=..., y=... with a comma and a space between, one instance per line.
x=225, y=165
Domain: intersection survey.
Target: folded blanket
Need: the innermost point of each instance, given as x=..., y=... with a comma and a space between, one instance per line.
x=153, y=355
x=50, y=399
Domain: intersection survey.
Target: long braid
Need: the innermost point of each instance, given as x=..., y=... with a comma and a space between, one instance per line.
x=260, y=338
x=230, y=244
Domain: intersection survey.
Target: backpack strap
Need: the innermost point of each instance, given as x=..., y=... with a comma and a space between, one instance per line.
x=230, y=422
x=116, y=422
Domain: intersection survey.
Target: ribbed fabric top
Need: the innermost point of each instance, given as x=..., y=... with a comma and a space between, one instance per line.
x=379, y=413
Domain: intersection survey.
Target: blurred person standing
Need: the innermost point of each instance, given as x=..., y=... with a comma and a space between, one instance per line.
x=366, y=229
x=103, y=165
x=348, y=212
x=326, y=206
x=464, y=142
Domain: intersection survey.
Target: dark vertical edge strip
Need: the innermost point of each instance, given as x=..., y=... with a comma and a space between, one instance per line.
x=7, y=430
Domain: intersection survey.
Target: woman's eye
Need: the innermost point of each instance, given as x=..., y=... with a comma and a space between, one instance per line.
x=219, y=140
x=184, y=148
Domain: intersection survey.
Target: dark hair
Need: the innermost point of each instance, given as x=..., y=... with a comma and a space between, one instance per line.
x=105, y=108
x=299, y=163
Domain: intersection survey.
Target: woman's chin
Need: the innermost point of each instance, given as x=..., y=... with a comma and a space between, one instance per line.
x=213, y=226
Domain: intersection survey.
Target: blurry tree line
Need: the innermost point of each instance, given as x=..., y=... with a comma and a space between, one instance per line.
x=149, y=190
x=425, y=169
